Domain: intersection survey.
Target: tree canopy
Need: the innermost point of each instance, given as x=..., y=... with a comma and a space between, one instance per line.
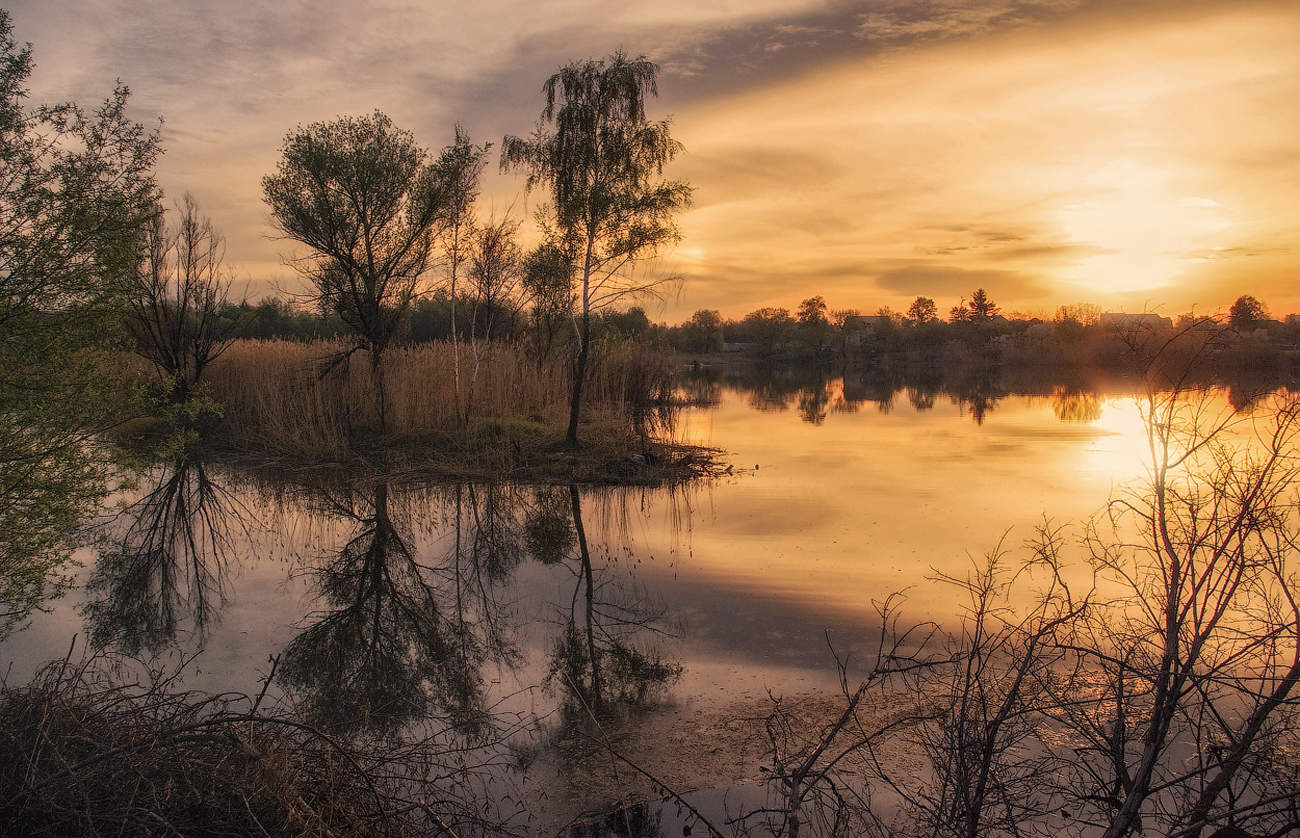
x=1246, y=311
x=77, y=197
x=601, y=161
x=365, y=198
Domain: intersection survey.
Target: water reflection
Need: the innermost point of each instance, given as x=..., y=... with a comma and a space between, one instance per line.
x=601, y=657
x=814, y=395
x=1073, y=405
x=164, y=560
x=398, y=633
x=976, y=389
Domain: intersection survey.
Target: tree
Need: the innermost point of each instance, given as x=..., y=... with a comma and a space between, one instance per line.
x=181, y=289
x=1246, y=312
x=496, y=266
x=703, y=332
x=768, y=328
x=922, y=311
x=460, y=168
x=812, y=311
x=1198, y=640
x=815, y=330
x=1078, y=316
x=496, y=272
x=982, y=309
x=548, y=285
x=609, y=210
x=77, y=196
x=362, y=195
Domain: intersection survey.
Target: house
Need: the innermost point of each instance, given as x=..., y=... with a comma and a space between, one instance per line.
x=1123, y=322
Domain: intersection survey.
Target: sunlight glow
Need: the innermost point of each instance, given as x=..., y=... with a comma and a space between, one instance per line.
x=1142, y=234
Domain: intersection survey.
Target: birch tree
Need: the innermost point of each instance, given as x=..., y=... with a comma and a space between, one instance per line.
x=610, y=208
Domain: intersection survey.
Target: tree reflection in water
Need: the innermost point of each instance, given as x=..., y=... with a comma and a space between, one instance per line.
x=400, y=635
x=600, y=658
x=165, y=560
x=1072, y=404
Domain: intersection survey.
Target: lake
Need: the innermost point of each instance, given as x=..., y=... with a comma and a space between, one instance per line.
x=389, y=599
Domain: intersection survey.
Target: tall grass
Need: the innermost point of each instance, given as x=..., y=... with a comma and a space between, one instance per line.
x=300, y=398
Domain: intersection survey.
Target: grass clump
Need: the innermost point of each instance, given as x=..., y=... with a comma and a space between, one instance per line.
x=83, y=755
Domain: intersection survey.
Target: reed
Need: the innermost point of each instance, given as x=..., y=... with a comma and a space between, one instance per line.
x=82, y=753
x=314, y=399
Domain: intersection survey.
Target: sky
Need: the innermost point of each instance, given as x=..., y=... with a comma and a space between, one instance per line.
x=1137, y=155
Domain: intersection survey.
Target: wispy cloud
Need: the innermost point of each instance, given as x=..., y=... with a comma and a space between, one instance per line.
x=859, y=149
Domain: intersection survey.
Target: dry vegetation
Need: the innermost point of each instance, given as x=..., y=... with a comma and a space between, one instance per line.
x=81, y=754
x=308, y=399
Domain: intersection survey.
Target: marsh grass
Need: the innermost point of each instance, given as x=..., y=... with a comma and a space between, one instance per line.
x=300, y=398
x=83, y=753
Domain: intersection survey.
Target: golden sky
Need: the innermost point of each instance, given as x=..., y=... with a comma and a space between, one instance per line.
x=1133, y=154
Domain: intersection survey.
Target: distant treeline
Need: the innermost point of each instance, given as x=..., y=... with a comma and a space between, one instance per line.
x=428, y=319
x=1076, y=334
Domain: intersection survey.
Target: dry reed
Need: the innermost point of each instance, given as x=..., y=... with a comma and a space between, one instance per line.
x=81, y=754
x=301, y=398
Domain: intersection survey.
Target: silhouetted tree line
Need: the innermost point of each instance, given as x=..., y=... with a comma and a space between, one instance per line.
x=976, y=329
x=427, y=320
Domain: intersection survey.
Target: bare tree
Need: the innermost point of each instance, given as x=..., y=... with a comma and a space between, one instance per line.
x=1200, y=648
x=496, y=270
x=182, y=286
x=460, y=168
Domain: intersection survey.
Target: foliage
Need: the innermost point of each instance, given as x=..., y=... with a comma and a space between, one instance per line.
x=703, y=332
x=1246, y=311
x=363, y=196
x=609, y=210
x=76, y=200
x=982, y=309
x=922, y=310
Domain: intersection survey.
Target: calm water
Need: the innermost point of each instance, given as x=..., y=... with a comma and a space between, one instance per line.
x=388, y=600
x=836, y=500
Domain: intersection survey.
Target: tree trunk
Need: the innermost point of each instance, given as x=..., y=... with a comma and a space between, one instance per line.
x=579, y=375
x=377, y=375
x=588, y=576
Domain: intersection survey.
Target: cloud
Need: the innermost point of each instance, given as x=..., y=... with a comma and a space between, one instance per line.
x=933, y=280
x=854, y=149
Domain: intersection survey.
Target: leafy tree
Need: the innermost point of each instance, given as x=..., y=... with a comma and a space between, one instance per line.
x=610, y=210
x=77, y=196
x=815, y=330
x=633, y=323
x=982, y=309
x=960, y=313
x=703, y=332
x=812, y=311
x=363, y=196
x=548, y=284
x=768, y=328
x=922, y=310
x=1246, y=312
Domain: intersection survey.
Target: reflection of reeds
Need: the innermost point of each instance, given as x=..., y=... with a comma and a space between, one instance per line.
x=286, y=395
